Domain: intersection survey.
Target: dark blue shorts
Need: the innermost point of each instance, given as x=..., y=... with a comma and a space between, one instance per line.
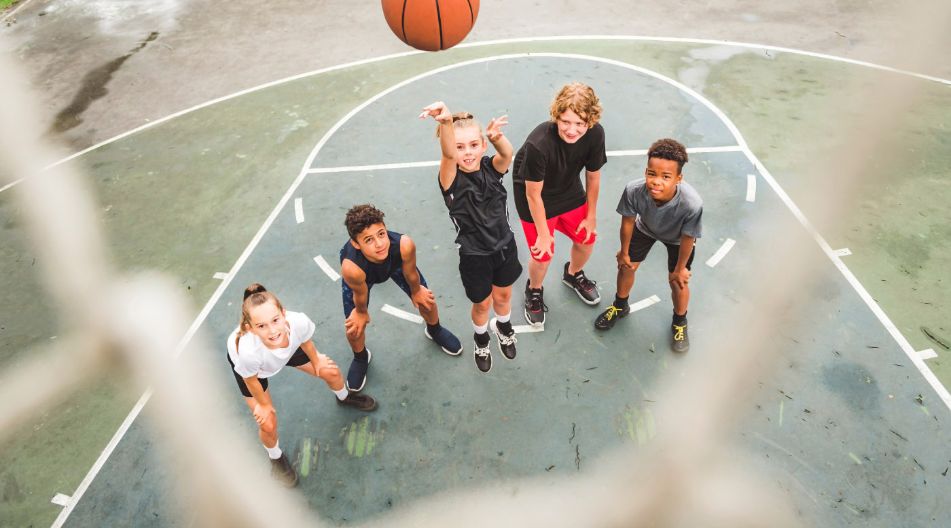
x=396, y=276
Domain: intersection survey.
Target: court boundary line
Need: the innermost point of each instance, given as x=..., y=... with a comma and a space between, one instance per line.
x=904, y=345
x=552, y=38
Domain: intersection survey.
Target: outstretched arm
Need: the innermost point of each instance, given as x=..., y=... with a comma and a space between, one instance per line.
x=447, y=141
x=503, y=147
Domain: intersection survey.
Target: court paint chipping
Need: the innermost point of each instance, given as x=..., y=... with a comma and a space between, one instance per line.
x=820, y=427
x=248, y=150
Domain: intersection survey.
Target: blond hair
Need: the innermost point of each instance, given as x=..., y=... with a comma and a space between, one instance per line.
x=580, y=99
x=463, y=120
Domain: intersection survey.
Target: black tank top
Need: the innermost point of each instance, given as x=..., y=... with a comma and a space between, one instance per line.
x=376, y=273
x=477, y=207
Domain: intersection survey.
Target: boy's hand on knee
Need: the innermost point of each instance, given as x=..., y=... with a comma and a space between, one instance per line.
x=262, y=413
x=679, y=278
x=356, y=323
x=590, y=225
x=423, y=299
x=624, y=260
x=543, y=246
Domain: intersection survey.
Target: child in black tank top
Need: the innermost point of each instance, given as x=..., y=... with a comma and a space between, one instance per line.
x=471, y=184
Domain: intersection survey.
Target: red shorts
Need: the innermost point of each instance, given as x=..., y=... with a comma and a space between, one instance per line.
x=567, y=223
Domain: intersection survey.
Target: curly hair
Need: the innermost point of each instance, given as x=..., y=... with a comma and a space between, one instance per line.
x=360, y=217
x=580, y=99
x=669, y=149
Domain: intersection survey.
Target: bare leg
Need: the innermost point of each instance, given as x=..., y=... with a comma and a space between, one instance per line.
x=329, y=372
x=625, y=280
x=480, y=312
x=502, y=299
x=358, y=343
x=536, y=272
x=680, y=296
x=580, y=253
x=268, y=430
x=430, y=316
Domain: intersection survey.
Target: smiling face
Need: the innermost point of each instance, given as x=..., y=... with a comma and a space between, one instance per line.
x=662, y=177
x=373, y=242
x=470, y=146
x=571, y=126
x=268, y=323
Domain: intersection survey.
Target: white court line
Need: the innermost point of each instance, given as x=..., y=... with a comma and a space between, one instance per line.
x=416, y=164
x=720, y=253
x=328, y=269
x=220, y=275
x=842, y=252
x=903, y=343
x=299, y=210
x=9, y=15
x=558, y=38
x=644, y=303
x=60, y=500
x=406, y=316
x=927, y=353
x=750, y=187
x=528, y=329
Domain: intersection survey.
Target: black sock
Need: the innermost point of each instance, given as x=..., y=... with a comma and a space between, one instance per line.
x=361, y=355
x=481, y=339
x=620, y=302
x=505, y=328
x=432, y=328
x=680, y=320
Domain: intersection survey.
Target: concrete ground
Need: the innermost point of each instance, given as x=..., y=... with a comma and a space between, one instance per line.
x=105, y=70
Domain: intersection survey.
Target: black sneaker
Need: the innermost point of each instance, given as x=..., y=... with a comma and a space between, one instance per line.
x=357, y=373
x=680, y=343
x=446, y=340
x=482, y=355
x=585, y=288
x=283, y=471
x=535, y=306
x=506, y=342
x=360, y=402
x=606, y=320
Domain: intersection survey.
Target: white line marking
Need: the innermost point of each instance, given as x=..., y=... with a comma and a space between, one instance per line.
x=17, y=8
x=220, y=275
x=491, y=43
x=60, y=500
x=299, y=210
x=123, y=428
x=750, y=187
x=724, y=249
x=396, y=312
x=384, y=166
x=328, y=269
x=528, y=329
x=644, y=303
x=927, y=353
x=843, y=252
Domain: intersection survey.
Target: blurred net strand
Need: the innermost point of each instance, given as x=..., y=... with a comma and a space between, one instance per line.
x=680, y=479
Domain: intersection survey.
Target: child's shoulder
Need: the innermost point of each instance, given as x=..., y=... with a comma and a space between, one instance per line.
x=691, y=195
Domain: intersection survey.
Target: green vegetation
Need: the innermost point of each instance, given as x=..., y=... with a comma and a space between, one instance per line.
x=7, y=3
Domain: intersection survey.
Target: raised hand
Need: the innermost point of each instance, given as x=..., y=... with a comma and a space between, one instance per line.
x=438, y=111
x=493, y=130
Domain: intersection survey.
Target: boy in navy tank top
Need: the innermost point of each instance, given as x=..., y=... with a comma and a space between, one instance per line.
x=371, y=256
x=471, y=184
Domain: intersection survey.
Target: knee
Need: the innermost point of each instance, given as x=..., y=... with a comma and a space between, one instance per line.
x=502, y=296
x=482, y=307
x=270, y=424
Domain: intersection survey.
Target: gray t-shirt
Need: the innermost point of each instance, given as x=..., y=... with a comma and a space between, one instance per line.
x=666, y=222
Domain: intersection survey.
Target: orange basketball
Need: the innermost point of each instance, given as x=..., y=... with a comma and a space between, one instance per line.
x=431, y=25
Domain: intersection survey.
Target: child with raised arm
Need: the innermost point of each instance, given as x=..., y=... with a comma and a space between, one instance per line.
x=660, y=207
x=471, y=185
x=267, y=339
x=373, y=255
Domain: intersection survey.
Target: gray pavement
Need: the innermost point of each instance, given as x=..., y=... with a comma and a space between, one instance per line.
x=74, y=50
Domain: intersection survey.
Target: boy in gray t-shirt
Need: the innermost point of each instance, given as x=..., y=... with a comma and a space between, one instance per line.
x=661, y=207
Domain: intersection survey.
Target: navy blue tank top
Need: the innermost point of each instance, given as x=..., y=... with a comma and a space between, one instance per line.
x=376, y=273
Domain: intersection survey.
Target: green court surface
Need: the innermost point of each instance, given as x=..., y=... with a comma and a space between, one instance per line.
x=847, y=427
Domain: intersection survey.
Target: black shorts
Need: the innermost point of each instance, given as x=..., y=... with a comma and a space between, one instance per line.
x=641, y=245
x=480, y=272
x=299, y=358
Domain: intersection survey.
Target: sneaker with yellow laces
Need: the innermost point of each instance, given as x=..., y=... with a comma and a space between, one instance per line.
x=680, y=342
x=606, y=320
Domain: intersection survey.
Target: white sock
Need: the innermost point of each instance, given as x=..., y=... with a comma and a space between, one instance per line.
x=342, y=393
x=274, y=452
x=480, y=329
x=503, y=318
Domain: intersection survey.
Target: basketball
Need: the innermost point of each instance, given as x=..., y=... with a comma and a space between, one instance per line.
x=431, y=25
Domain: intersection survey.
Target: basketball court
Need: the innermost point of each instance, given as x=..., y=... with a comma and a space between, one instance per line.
x=851, y=425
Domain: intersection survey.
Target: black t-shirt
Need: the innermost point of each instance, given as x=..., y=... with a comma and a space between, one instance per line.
x=477, y=207
x=545, y=157
x=376, y=273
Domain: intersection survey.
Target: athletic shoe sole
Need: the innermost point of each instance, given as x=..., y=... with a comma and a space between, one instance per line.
x=586, y=301
x=364, y=384
x=451, y=353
